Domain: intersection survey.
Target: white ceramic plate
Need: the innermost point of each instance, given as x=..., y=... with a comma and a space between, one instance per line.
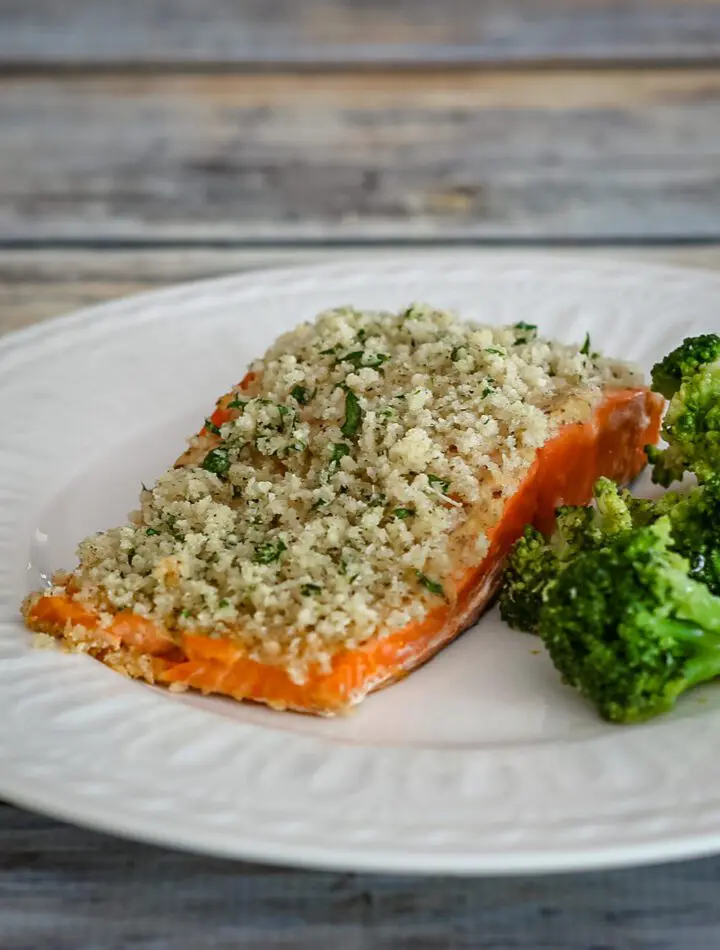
x=480, y=762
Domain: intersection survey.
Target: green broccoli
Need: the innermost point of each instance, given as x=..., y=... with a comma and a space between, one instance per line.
x=535, y=561
x=691, y=375
x=613, y=512
x=645, y=511
x=626, y=626
x=684, y=361
x=695, y=521
x=530, y=567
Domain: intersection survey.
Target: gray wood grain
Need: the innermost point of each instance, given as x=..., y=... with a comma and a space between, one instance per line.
x=63, y=888
x=37, y=284
x=356, y=31
x=495, y=154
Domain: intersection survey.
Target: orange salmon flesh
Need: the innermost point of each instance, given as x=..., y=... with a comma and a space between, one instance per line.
x=565, y=469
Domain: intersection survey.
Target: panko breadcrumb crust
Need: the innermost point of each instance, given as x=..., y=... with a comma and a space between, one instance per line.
x=353, y=485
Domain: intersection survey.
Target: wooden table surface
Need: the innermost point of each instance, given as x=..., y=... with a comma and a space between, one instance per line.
x=152, y=141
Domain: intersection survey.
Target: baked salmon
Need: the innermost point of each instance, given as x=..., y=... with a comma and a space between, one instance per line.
x=345, y=511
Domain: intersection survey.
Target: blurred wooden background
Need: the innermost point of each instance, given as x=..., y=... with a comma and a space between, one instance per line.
x=277, y=125
x=148, y=141
x=331, y=120
x=218, y=135
x=320, y=124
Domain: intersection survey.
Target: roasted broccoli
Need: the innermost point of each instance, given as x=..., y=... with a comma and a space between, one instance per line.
x=626, y=592
x=626, y=626
x=534, y=561
x=695, y=522
x=530, y=567
x=695, y=525
x=690, y=375
x=684, y=361
x=645, y=511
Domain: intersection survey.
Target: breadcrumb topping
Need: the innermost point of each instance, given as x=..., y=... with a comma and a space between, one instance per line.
x=353, y=483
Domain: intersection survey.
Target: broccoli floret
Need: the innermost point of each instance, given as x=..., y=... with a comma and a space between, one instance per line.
x=626, y=626
x=613, y=510
x=692, y=422
x=535, y=561
x=644, y=511
x=579, y=527
x=683, y=362
x=695, y=521
x=531, y=566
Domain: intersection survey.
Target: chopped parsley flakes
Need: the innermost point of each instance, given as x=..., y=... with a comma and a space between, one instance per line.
x=269, y=551
x=360, y=360
x=433, y=586
x=528, y=332
x=339, y=450
x=442, y=484
x=301, y=395
x=353, y=415
x=216, y=461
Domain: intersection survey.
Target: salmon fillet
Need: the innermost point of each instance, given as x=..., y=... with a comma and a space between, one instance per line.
x=608, y=440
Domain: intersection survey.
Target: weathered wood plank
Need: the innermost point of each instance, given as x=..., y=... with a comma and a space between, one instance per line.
x=63, y=888
x=35, y=285
x=382, y=155
x=356, y=31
